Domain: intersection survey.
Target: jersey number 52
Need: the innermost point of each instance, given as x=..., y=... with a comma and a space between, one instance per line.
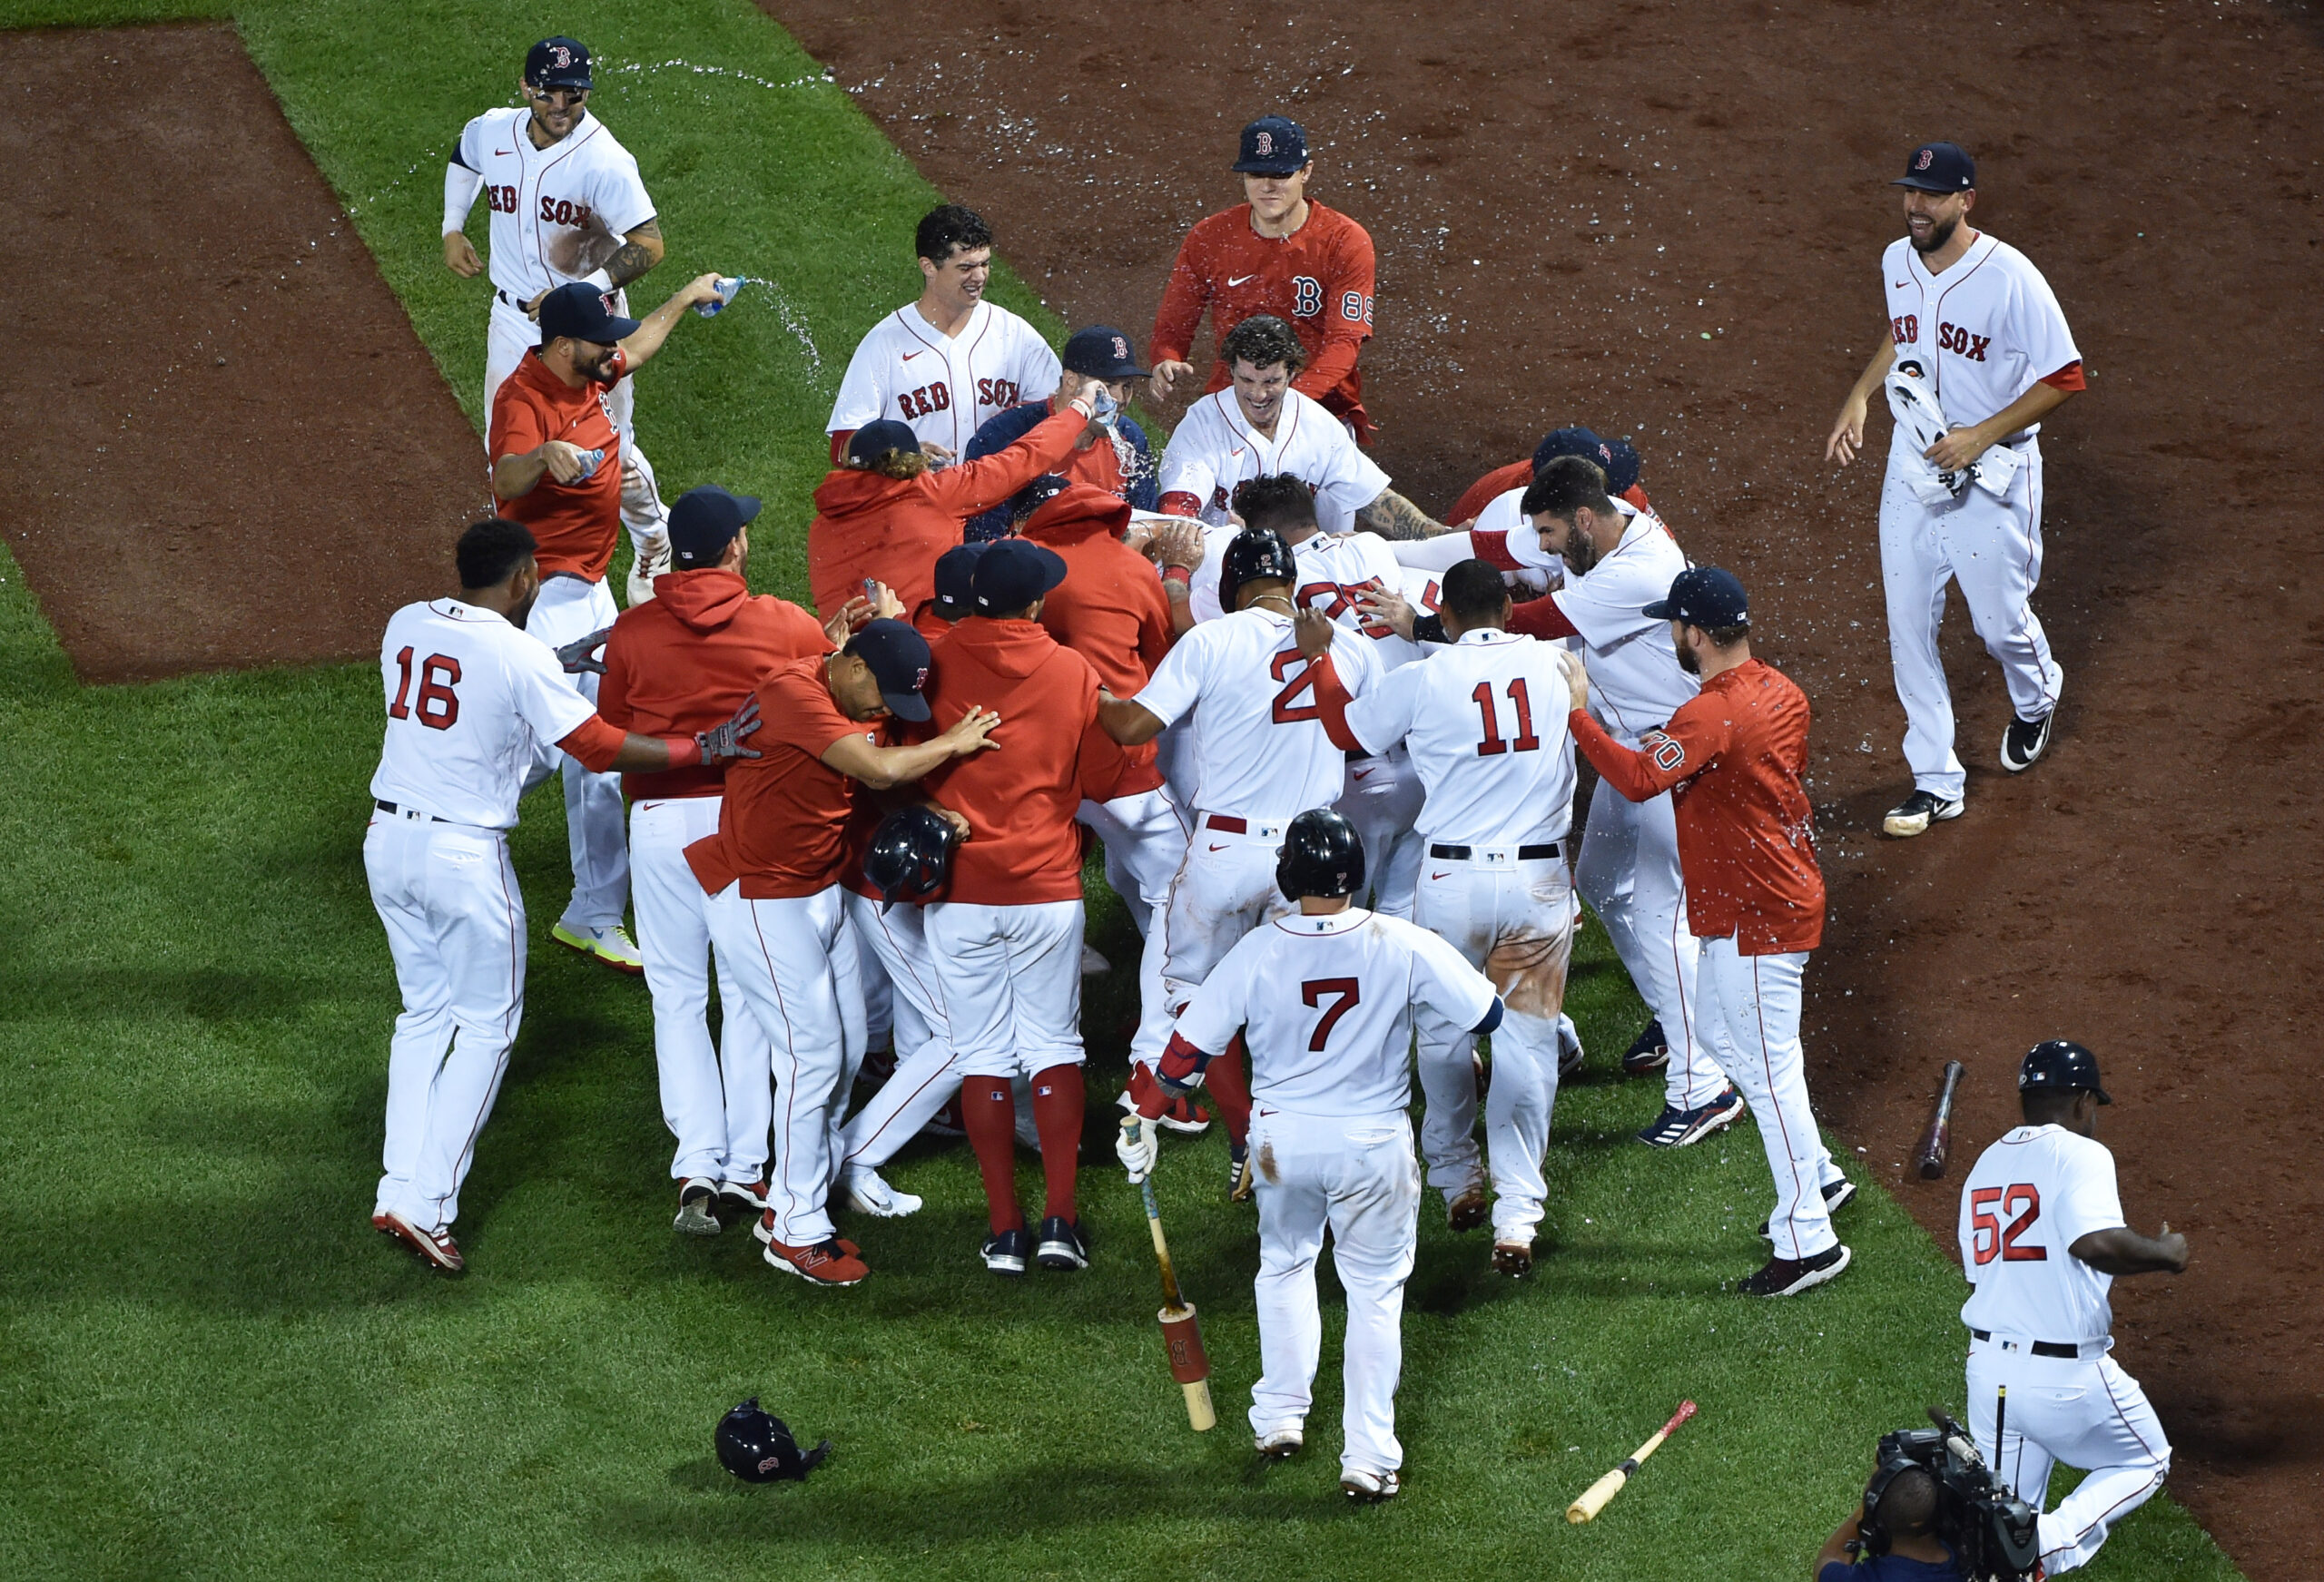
x=1989, y=1239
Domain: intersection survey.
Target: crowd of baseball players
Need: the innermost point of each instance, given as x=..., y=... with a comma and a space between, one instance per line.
x=1326, y=742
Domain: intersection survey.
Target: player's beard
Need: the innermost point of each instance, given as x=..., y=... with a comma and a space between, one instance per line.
x=1579, y=552
x=518, y=616
x=1687, y=662
x=1938, y=235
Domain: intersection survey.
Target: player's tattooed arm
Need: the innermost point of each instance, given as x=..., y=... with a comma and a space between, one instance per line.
x=640, y=251
x=1394, y=517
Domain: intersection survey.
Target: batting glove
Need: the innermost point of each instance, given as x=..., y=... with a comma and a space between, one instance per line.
x=1136, y=1146
x=721, y=744
x=580, y=654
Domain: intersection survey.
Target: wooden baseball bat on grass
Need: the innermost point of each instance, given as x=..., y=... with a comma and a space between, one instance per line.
x=1929, y=1157
x=1594, y=1497
x=1181, y=1333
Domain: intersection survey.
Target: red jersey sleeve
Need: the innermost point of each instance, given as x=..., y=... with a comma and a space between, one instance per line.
x=2068, y=378
x=595, y=743
x=517, y=425
x=1347, y=314
x=970, y=487
x=1538, y=618
x=1183, y=301
x=1486, y=489
x=1696, y=735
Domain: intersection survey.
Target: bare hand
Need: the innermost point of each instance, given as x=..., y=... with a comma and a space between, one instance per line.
x=1847, y=433
x=1165, y=375
x=563, y=460
x=843, y=625
x=1386, y=607
x=1577, y=677
x=973, y=735
x=1955, y=451
x=958, y=821
x=459, y=255
x=2174, y=1247
x=533, y=306
x=1176, y=544
x=1314, y=629
x=885, y=606
x=937, y=454
x=700, y=289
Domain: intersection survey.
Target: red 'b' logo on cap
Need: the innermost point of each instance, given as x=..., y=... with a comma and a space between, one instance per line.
x=1121, y=348
x=564, y=56
x=1267, y=143
x=1928, y=158
x=1606, y=453
x=921, y=680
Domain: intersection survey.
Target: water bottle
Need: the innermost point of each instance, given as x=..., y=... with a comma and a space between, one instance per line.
x=589, y=460
x=1107, y=407
x=728, y=285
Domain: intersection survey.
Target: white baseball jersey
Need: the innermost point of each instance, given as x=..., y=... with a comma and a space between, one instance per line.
x=2032, y=1195
x=1424, y=592
x=473, y=706
x=1325, y=1005
x=1984, y=333
x=944, y=386
x=1485, y=721
x=1334, y=567
x=1261, y=752
x=558, y=212
x=1214, y=448
x=1635, y=680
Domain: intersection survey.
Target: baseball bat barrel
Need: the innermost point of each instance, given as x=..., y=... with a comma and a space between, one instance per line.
x=1594, y=1497
x=1929, y=1158
x=1181, y=1331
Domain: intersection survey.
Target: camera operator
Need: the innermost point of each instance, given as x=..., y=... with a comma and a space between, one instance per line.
x=1897, y=1536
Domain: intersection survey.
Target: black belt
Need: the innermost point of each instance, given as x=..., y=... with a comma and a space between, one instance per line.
x=2039, y=1348
x=1525, y=853
x=392, y=808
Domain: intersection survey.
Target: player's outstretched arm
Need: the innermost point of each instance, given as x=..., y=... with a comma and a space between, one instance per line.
x=639, y=252
x=881, y=768
x=1393, y=517
x=517, y=474
x=2122, y=1251
x=1848, y=430
x=656, y=327
x=1127, y=721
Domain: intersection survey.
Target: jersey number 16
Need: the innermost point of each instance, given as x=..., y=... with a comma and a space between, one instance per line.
x=438, y=706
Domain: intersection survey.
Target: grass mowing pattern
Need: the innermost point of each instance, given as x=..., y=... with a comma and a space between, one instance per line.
x=215, y=1370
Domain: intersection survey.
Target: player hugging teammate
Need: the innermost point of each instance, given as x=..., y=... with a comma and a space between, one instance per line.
x=1330, y=748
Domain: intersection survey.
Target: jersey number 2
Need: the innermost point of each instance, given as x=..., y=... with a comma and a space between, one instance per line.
x=437, y=705
x=1989, y=1240
x=1314, y=992
x=1525, y=740
x=1288, y=712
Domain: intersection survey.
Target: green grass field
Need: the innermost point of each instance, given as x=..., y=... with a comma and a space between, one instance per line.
x=213, y=1369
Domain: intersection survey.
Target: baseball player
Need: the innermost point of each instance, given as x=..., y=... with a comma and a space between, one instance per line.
x=1326, y=998
x=1489, y=523
x=1262, y=756
x=1617, y=457
x=1006, y=936
x=1499, y=798
x=771, y=873
x=2041, y=1239
x=1261, y=426
x=1977, y=342
x=550, y=419
x=1279, y=253
x=681, y=662
x=1734, y=754
x=475, y=706
x=944, y=365
x=1118, y=461
x=566, y=206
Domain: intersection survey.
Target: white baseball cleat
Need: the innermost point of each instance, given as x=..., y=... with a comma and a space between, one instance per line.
x=1278, y=1443
x=1570, y=1051
x=697, y=1207
x=613, y=946
x=434, y=1248
x=1092, y=964
x=1915, y=814
x=1368, y=1487
x=869, y=1194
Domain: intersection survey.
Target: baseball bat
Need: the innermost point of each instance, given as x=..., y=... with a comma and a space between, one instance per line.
x=1930, y=1156
x=1594, y=1497
x=1181, y=1331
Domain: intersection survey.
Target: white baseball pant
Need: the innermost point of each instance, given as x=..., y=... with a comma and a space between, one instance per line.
x=1627, y=871
x=1514, y=922
x=716, y=1097
x=1012, y=980
x=1993, y=549
x=1750, y=1015
x=1381, y=796
x=455, y=919
x=2084, y=1411
x=1146, y=842
x=1354, y=1174
x=789, y=958
x=894, y=941
x=568, y=608
x=512, y=336
x=1225, y=888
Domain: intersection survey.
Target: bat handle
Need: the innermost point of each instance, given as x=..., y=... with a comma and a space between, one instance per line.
x=1134, y=1124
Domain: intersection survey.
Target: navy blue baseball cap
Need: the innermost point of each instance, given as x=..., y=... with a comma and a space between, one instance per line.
x=874, y=440
x=1704, y=596
x=2060, y=1065
x=584, y=313
x=1609, y=456
x=1011, y=574
x=558, y=63
x=1101, y=352
x=955, y=570
x=899, y=662
x=1273, y=145
x=1035, y=495
x=1939, y=167
x=704, y=521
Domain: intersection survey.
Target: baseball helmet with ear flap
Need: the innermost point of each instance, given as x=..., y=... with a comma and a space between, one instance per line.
x=911, y=856
x=757, y=1447
x=1322, y=856
x=1254, y=554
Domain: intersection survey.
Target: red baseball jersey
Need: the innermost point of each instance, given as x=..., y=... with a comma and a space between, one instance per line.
x=577, y=524
x=1319, y=280
x=782, y=828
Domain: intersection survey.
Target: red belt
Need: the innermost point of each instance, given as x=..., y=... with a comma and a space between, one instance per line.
x=1226, y=823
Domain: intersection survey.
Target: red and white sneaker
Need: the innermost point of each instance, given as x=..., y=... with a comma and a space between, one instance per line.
x=825, y=1263
x=434, y=1248
x=762, y=1232
x=743, y=1196
x=947, y=1122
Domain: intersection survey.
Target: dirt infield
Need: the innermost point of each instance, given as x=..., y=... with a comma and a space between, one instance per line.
x=225, y=446
x=1666, y=222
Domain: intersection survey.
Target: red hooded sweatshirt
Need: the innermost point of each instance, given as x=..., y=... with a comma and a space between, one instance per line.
x=1019, y=800
x=684, y=660
x=1110, y=608
x=893, y=529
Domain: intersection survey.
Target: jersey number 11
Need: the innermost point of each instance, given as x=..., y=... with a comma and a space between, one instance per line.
x=1525, y=740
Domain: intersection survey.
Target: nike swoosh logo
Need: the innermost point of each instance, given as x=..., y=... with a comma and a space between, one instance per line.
x=1902, y=284
x=504, y=152
x=1446, y=874
x=1359, y=774
x=910, y=355
x=1218, y=848
x=1240, y=279
x=1237, y=451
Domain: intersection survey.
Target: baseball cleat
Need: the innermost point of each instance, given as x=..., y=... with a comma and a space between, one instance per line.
x=1790, y=1276
x=1650, y=1051
x=1569, y=1052
x=1005, y=1253
x=380, y=1224
x=612, y=946
x=947, y=1122
x=1467, y=1211
x=1368, y=1487
x=743, y=1197
x=2024, y=741
x=1916, y=813
x=697, y=1207
x=1678, y=1128
x=1062, y=1245
x=1092, y=963
x=1512, y=1258
x=1483, y=1073
x=434, y=1248
x=868, y=1192
x=827, y=1263
x=1837, y=1195
x=762, y=1232
x=1238, y=1171
x=1277, y=1444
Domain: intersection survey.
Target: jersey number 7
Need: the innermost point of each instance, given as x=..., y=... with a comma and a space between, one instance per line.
x=1988, y=1240
x=1316, y=990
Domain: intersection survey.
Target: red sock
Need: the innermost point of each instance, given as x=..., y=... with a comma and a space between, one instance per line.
x=1058, y=1109
x=989, y=1114
x=1224, y=1079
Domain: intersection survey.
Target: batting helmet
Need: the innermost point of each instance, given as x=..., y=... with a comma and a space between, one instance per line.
x=1254, y=554
x=758, y=1449
x=2061, y=1065
x=1322, y=856
x=910, y=857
